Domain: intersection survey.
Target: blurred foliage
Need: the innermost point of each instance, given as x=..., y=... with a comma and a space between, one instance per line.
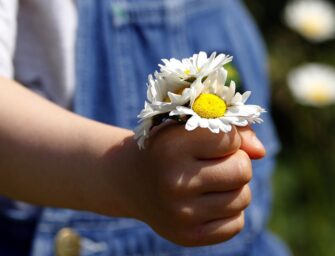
x=304, y=182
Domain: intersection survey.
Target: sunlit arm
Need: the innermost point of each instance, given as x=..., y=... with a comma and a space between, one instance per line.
x=50, y=156
x=190, y=187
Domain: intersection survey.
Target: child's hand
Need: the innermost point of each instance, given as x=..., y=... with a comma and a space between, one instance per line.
x=192, y=187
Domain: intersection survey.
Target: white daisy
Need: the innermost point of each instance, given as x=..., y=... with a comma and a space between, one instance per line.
x=314, y=19
x=190, y=69
x=195, y=87
x=313, y=84
x=163, y=95
x=218, y=108
x=142, y=132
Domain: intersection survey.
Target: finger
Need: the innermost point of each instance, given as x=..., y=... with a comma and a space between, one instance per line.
x=171, y=138
x=215, y=206
x=221, y=175
x=207, y=145
x=250, y=143
x=200, y=143
x=219, y=230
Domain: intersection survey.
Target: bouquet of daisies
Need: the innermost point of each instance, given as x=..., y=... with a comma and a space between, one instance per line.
x=193, y=92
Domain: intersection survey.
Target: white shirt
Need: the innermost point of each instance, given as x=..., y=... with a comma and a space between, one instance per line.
x=37, y=42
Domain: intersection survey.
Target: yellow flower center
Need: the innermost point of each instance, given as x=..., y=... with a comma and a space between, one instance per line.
x=311, y=27
x=319, y=96
x=209, y=106
x=187, y=72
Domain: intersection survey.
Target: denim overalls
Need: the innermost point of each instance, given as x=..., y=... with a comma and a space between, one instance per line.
x=119, y=43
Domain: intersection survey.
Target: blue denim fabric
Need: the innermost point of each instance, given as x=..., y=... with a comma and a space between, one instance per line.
x=17, y=226
x=120, y=42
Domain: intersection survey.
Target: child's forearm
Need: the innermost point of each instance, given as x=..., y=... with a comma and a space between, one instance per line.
x=50, y=156
x=190, y=187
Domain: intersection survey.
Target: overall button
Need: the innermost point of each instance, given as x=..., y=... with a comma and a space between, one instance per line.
x=67, y=243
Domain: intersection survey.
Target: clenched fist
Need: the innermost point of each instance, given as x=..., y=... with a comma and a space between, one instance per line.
x=191, y=187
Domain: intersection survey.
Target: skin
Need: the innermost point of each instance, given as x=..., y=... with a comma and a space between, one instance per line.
x=190, y=187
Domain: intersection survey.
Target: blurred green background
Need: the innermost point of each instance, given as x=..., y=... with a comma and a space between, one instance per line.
x=304, y=182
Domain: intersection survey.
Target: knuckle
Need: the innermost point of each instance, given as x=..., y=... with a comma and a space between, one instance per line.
x=238, y=226
x=172, y=186
x=245, y=196
x=236, y=143
x=168, y=185
x=168, y=196
x=177, y=183
x=240, y=223
x=244, y=168
x=186, y=214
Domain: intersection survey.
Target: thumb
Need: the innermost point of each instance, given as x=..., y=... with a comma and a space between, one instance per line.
x=251, y=144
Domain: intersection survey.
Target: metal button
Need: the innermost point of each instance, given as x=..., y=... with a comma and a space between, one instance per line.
x=67, y=243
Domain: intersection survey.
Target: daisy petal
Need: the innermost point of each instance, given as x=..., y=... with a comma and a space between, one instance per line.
x=203, y=123
x=246, y=96
x=230, y=93
x=192, y=123
x=179, y=83
x=214, y=125
x=185, y=110
x=225, y=127
x=201, y=59
x=240, y=122
x=237, y=99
